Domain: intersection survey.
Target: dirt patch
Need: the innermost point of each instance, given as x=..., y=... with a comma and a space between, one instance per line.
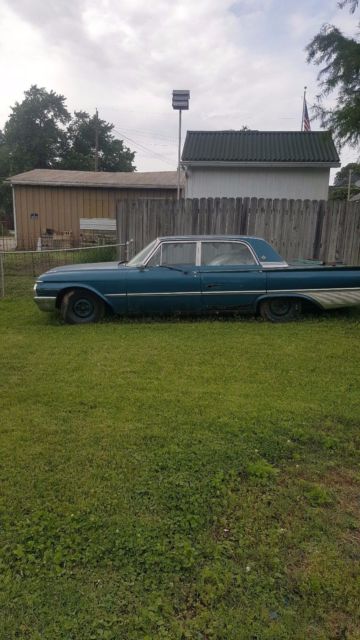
x=346, y=486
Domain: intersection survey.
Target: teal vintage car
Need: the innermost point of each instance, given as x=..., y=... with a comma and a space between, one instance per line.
x=197, y=275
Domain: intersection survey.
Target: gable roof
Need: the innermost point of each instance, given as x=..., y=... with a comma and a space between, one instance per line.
x=249, y=147
x=105, y=179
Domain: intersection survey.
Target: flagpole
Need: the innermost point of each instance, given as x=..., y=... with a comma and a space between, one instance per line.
x=303, y=110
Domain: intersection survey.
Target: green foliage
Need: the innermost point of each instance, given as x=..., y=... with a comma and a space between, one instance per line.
x=41, y=134
x=340, y=57
x=178, y=480
x=80, y=146
x=342, y=176
x=262, y=470
x=340, y=189
x=318, y=496
x=353, y=4
x=341, y=193
x=97, y=254
x=6, y=215
x=34, y=132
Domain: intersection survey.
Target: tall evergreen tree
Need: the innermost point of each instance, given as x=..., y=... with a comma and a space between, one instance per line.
x=340, y=57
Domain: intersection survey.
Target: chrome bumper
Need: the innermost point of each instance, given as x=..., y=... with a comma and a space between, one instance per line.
x=45, y=303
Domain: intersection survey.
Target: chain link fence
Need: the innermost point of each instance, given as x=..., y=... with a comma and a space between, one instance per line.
x=19, y=268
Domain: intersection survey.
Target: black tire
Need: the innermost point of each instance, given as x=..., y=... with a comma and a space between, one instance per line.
x=79, y=306
x=280, y=309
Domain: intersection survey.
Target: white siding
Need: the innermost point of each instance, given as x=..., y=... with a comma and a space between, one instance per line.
x=228, y=182
x=98, y=224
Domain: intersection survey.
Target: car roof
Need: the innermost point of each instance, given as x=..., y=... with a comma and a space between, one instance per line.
x=210, y=237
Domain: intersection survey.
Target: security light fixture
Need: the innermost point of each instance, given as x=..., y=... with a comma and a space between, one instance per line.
x=180, y=99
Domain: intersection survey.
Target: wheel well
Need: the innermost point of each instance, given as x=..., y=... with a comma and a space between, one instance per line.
x=63, y=293
x=310, y=305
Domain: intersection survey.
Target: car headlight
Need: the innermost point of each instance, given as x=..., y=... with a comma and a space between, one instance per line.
x=36, y=284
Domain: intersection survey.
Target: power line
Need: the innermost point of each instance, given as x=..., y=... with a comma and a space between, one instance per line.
x=140, y=144
x=142, y=147
x=150, y=133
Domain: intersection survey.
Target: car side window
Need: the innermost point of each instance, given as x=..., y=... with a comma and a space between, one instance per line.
x=173, y=253
x=226, y=253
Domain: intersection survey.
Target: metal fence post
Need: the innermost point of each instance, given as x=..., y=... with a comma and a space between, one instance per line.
x=2, y=275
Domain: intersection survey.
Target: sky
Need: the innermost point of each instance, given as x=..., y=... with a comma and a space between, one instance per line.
x=244, y=62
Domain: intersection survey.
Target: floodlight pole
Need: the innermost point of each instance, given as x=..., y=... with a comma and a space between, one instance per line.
x=179, y=152
x=180, y=101
x=96, y=140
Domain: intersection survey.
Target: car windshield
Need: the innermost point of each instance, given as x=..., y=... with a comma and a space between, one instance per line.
x=139, y=259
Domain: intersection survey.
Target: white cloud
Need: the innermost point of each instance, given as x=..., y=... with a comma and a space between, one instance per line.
x=126, y=56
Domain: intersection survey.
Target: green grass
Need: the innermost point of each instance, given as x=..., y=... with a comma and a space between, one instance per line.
x=179, y=480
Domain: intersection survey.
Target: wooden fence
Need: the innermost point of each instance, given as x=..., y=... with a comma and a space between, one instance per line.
x=298, y=229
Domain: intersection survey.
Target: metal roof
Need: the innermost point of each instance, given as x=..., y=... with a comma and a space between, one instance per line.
x=260, y=147
x=104, y=179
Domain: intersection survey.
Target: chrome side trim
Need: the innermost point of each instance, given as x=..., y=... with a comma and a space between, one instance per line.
x=115, y=295
x=243, y=242
x=184, y=293
x=165, y=293
x=199, y=244
x=322, y=289
x=45, y=303
x=231, y=293
x=329, y=298
x=274, y=265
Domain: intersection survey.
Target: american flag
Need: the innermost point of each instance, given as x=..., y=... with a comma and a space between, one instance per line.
x=306, y=119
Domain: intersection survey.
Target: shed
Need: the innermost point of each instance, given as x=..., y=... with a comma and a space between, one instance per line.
x=60, y=207
x=260, y=164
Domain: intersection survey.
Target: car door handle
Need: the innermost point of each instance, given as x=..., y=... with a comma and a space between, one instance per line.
x=211, y=285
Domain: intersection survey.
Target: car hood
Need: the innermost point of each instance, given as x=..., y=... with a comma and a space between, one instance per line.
x=89, y=266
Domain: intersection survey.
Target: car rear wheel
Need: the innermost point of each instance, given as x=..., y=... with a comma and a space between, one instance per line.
x=280, y=309
x=81, y=307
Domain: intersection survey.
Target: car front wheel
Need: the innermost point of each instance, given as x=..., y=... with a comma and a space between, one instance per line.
x=81, y=307
x=280, y=309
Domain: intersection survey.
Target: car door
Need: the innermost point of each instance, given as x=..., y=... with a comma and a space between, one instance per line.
x=168, y=283
x=231, y=277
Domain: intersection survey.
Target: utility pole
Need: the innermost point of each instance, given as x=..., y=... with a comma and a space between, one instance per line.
x=349, y=184
x=96, y=140
x=303, y=110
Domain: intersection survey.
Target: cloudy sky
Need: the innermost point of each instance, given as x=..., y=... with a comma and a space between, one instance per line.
x=243, y=61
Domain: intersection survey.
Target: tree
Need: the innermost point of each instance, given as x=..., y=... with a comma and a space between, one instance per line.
x=340, y=56
x=35, y=131
x=80, y=146
x=341, y=182
x=342, y=176
x=41, y=134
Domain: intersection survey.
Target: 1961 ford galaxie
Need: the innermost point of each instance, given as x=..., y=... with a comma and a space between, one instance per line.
x=197, y=275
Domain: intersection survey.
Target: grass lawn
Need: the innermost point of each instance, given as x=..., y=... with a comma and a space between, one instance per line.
x=179, y=480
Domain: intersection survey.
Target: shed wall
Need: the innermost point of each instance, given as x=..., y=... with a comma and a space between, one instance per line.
x=60, y=208
x=227, y=182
